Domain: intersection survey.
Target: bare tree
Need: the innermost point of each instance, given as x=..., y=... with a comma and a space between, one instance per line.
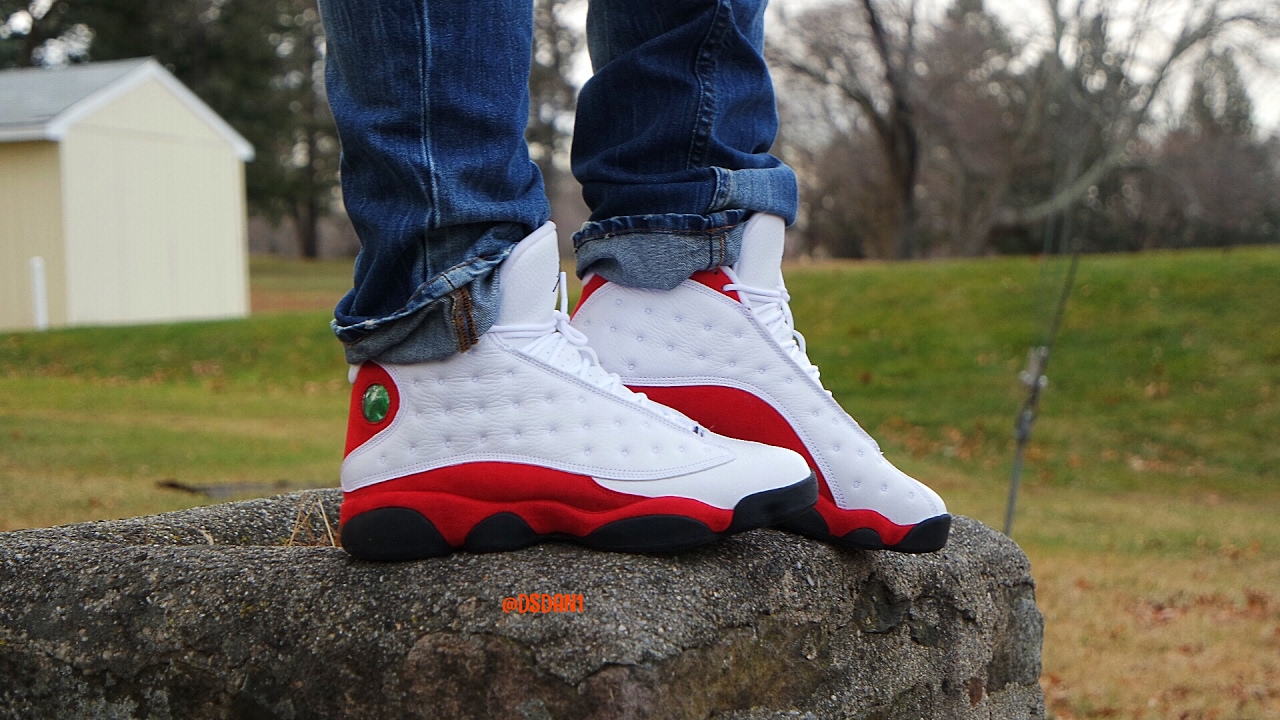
x=854, y=52
x=1109, y=70
x=984, y=137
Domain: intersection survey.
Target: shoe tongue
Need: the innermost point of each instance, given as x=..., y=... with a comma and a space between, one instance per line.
x=527, y=279
x=760, y=263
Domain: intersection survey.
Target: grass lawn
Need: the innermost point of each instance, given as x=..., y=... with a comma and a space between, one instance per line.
x=1150, y=491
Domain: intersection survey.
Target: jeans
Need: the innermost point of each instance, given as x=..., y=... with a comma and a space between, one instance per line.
x=431, y=100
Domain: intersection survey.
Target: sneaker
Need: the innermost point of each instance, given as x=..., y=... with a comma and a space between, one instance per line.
x=524, y=438
x=722, y=349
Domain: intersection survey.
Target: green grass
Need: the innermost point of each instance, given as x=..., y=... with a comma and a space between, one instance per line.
x=1152, y=480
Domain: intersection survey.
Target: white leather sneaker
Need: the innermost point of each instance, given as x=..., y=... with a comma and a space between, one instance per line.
x=722, y=349
x=525, y=438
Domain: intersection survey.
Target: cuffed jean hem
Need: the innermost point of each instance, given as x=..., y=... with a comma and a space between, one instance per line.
x=658, y=252
x=446, y=315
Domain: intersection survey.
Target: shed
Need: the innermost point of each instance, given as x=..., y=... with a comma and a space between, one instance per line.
x=122, y=199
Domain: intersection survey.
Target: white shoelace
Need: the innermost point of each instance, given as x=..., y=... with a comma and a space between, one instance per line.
x=564, y=347
x=772, y=309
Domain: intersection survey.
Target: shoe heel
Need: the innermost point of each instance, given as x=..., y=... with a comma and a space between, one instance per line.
x=392, y=534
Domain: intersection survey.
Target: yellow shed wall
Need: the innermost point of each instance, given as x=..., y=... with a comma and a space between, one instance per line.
x=30, y=225
x=155, y=215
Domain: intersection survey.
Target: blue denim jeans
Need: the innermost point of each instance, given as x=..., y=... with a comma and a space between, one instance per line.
x=431, y=100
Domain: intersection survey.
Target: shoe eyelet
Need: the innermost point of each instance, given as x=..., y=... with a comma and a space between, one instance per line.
x=670, y=348
x=639, y=338
x=648, y=311
x=617, y=301
x=884, y=487
x=613, y=329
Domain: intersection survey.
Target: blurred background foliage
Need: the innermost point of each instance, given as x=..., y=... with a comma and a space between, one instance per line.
x=917, y=129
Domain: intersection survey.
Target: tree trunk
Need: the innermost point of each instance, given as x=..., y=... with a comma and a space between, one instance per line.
x=306, y=225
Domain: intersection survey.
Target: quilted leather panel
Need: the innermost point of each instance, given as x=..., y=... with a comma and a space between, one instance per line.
x=694, y=335
x=494, y=404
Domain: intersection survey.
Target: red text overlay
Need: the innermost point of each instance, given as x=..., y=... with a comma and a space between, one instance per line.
x=542, y=603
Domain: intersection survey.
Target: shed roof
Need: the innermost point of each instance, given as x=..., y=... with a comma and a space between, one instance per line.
x=43, y=103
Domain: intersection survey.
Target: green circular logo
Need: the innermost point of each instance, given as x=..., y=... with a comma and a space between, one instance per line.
x=376, y=403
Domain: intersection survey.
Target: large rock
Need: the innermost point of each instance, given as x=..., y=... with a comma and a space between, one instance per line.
x=215, y=613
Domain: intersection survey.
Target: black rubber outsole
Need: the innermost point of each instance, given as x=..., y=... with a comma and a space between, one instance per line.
x=926, y=537
x=396, y=533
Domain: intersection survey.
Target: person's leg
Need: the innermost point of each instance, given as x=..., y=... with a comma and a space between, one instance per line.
x=672, y=136
x=431, y=101
x=478, y=417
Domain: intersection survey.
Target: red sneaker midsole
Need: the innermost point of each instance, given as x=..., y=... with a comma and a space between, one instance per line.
x=455, y=499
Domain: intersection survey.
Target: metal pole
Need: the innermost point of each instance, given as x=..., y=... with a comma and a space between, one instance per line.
x=39, y=294
x=1035, y=379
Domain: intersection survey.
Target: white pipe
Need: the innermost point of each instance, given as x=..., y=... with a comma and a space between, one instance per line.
x=40, y=294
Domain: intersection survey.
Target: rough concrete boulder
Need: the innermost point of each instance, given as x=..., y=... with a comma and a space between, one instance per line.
x=243, y=611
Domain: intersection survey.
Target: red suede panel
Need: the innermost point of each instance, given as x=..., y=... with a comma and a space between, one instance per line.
x=595, y=283
x=716, y=280
x=740, y=414
x=458, y=497
x=359, y=430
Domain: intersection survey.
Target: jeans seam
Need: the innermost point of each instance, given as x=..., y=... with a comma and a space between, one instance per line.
x=704, y=70
x=656, y=231
x=723, y=192
x=424, y=71
x=463, y=316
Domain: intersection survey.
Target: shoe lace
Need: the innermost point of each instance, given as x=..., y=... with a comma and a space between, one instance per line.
x=772, y=309
x=561, y=345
